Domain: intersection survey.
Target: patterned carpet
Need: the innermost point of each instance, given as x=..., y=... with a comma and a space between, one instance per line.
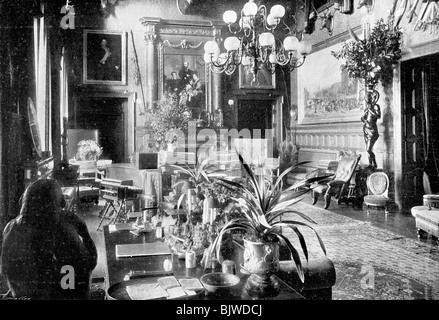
x=372, y=263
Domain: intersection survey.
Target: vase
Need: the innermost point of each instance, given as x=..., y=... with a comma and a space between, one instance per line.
x=261, y=260
x=208, y=204
x=170, y=147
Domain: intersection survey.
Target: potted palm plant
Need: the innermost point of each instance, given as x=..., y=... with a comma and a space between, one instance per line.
x=263, y=204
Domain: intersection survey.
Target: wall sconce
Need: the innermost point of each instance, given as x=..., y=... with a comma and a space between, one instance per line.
x=367, y=4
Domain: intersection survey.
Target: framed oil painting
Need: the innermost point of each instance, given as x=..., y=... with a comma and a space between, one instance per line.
x=325, y=92
x=265, y=79
x=104, y=57
x=183, y=72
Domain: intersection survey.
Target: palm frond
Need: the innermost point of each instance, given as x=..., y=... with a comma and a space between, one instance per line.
x=293, y=222
x=278, y=214
x=295, y=256
x=299, y=235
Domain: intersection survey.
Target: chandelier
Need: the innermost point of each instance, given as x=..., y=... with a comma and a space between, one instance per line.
x=254, y=42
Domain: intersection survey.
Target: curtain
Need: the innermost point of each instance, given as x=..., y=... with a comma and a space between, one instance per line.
x=64, y=101
x=42, y=81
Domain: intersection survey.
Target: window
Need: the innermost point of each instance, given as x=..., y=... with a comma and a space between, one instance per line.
x=42, y=81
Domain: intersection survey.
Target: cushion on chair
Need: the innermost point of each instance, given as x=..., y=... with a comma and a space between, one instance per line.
x=345, y=168
x=320, y=188
x=378, y=201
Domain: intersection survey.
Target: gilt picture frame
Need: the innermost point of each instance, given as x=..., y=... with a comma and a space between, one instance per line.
x=335, y=97
x=104, y=57
x=265, y=79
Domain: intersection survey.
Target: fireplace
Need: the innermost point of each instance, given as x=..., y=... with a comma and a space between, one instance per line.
x=113, y=118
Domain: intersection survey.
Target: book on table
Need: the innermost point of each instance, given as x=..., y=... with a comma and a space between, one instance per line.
x=142, y=249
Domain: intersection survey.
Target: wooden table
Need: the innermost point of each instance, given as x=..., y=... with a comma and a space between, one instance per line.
x=118, y=269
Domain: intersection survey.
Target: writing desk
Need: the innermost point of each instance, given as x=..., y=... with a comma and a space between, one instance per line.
x=117, y=269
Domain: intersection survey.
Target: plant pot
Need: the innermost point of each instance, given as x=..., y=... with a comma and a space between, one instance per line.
x=261, y=260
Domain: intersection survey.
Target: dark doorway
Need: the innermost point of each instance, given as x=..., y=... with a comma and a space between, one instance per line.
x=420, y=116
x=255, y=114
x=107, y=116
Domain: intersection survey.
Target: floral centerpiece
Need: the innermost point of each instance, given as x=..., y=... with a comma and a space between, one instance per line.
x=373, y=58
x=167, y=117
x=88, y=150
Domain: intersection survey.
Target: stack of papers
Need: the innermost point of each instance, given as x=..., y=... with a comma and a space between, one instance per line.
x=146, y=291
x=120, y=227
x=165, y=287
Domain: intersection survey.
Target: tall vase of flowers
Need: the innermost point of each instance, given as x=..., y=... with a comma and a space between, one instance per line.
x=372, y=60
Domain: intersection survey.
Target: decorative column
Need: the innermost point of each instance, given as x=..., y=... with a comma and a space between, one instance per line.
x=216, y=79
x=151, y=61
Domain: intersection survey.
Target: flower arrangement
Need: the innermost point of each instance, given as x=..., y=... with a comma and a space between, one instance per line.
x=166, y=118
x=218, y=190
x=88, y=150
x=373, y=58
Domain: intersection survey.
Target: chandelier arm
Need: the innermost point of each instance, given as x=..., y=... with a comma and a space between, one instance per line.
x=287, y=27
x=218, y=64
x=234, y=32
x=280, y=57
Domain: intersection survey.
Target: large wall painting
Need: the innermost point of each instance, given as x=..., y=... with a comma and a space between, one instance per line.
x=325, y=92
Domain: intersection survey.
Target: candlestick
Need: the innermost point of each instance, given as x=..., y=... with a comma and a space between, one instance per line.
x=366, y=31
x=189, y=200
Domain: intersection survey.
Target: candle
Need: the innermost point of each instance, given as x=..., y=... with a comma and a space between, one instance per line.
x=366, y=31
x=205, y=211
x=190, y=259
x=189, y=200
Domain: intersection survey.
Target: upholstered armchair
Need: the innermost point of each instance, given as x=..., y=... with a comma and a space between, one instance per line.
x=337, y=185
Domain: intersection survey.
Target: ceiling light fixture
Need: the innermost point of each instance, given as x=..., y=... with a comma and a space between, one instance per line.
x=255, y=41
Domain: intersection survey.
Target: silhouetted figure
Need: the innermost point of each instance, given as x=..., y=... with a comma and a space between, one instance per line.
x=41, y=242
x=370, y=127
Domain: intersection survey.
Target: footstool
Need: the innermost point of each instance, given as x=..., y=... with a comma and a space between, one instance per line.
x=427, y=220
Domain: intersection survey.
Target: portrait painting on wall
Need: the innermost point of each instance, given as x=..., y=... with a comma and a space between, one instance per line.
x=184, y=75
x=334, y=97
x=264, y=79
x=104, y=58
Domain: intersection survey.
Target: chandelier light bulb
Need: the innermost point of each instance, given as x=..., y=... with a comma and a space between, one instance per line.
x=271, y=20
x=266, y=39
x=210, y=47
x=296, y=55
x=291, y=43
x=232, y=43
x=277, y=11
x=304, y=47
x=246, y=61
x=250, y=9
x=207, y=57
x=272, y=58
x=230, y=16
x=222, y=58
x=243, y=23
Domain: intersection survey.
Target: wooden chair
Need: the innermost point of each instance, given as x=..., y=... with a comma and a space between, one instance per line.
x=378, y=190
x=337, y=186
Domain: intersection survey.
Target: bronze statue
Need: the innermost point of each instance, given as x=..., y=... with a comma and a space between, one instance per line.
x=370, y=128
